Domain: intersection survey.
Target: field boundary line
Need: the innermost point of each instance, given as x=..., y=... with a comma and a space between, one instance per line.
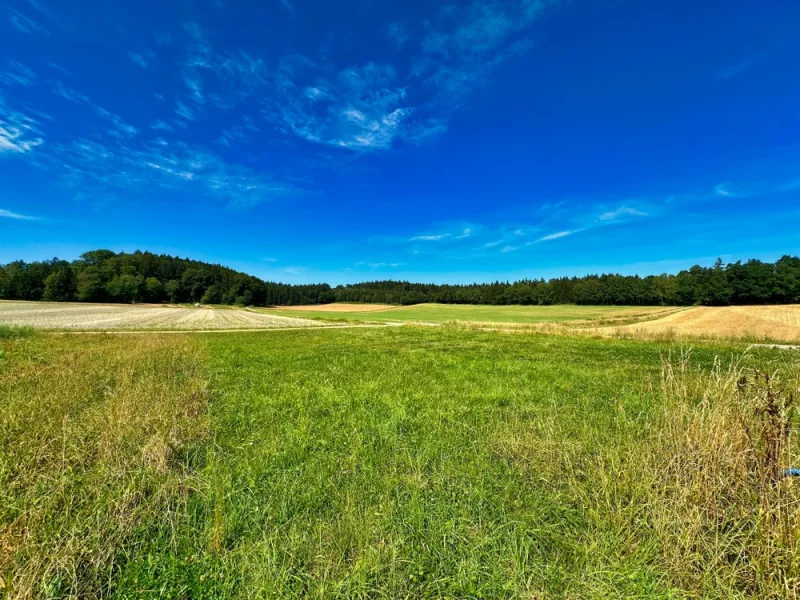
x=775, y=346
x=243, y=330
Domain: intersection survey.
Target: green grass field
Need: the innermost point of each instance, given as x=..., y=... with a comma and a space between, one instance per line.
x=442, y=313
x=389, y=463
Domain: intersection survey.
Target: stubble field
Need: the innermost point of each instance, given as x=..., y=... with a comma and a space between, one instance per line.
x=769, y=323
x=55, y=315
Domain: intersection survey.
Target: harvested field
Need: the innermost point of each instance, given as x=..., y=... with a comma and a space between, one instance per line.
x=55, y=315
x=758, y=322
x=340, y=307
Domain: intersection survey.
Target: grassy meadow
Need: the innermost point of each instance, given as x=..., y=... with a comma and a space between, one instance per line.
x=393, y=463
x=443, y=313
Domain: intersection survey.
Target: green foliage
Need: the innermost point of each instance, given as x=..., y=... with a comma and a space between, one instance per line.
x=126, y=288
x=754, y=282
x=212, y=295
x=3, y=282
x=173, y=290
x=59, y=286
x=103, y=276
x=153, y=290
x=14, y=332
x=90, y=285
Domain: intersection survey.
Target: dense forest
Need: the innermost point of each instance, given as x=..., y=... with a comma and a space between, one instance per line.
x=106, y=276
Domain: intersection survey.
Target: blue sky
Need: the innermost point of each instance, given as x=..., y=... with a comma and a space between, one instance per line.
x=348, y=141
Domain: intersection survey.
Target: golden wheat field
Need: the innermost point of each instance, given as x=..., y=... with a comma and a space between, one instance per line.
x=780, y=323
x=59, y=315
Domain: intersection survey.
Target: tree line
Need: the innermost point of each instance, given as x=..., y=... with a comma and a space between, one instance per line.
x=106, y=276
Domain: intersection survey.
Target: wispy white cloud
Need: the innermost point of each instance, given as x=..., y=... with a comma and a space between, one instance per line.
x=69, y=93
x=15, y=73
x=359, y=108
x=121, y=127
x=465, y=43
x=184, y=111
x=721, y=189
x=727, y=190
x=750, y=189
x=622, y=211
x=557, y=235
x=367, y=107
x=24, y=23
x=160, y=125
x=430, y=238
x=185, y=175
x=7, y=214
x=236, y=75
x=377, y=265
x=27, y=24
x=113, y=166
x=142, y=59
x=12, y=138
x=550, y=221
x=45, y=10
x=19, y=133
x=238, y=133
x=287, y=5
x=58, y=68
x=590, y=217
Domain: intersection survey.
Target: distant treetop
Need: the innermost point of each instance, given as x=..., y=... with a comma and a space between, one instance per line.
x=106, y=276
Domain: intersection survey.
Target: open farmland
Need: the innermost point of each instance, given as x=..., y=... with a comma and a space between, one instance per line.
x=397, y=462
x=443, y=313
x=777, y=323
x=59, y=315
x=768, y=323
x=340, y=307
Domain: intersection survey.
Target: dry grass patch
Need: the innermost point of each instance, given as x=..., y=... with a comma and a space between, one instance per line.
x=96, y=441
x=698, y=486
x=719, y=502
x=778, y=323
